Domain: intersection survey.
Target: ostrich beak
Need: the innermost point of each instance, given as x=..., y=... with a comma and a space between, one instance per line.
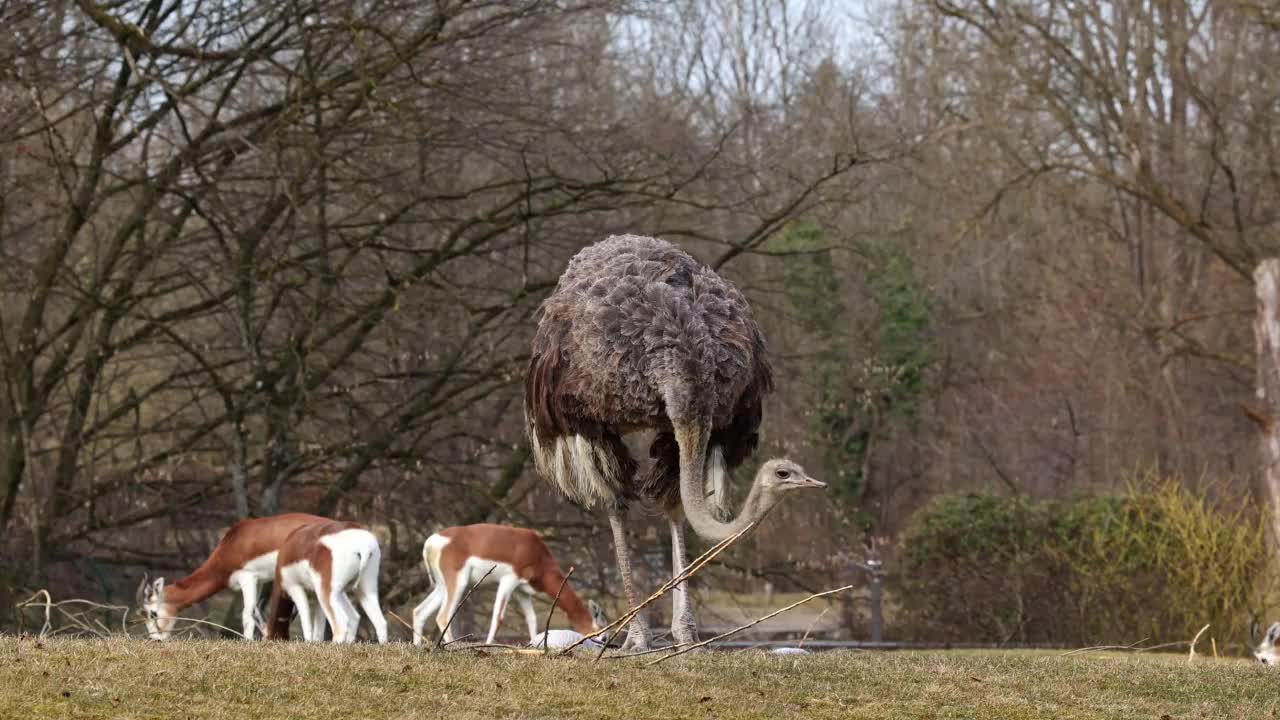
x=806, y=481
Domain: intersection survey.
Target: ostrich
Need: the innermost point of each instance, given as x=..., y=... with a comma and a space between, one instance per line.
x=640, y=336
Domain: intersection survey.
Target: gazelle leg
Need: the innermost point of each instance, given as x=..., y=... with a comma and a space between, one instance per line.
x=373, y=611
x=684, y=629
x=638, y=633
x=342, y=606
x=298, y=595
x=431, y=604
x=450, y=608
x=530, y=617
x=505, y=587
x=367, y=596
x=334, y=614
x=317, y=626
x=248, y=614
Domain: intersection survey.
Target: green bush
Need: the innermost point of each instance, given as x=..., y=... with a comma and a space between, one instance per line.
x=1156, y=563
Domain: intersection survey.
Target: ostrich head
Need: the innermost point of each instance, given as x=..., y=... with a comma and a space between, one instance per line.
x=160, y=615
x=773, y=481
x=777, y=477
x=780, y=475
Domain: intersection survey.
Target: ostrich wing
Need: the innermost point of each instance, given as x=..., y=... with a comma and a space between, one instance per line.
x=548, y=366
x=740, y=437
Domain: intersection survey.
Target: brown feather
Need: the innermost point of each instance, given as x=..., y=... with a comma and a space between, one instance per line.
x=636, y=335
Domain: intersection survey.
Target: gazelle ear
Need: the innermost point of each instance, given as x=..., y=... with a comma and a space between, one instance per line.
x=597, y=613
x=141, y=595
x=158, y=587
x=1273, y=634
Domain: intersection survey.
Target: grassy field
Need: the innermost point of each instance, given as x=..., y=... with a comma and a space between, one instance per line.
x=242, y=681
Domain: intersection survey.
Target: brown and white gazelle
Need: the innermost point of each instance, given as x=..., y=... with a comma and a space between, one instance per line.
x=243, y=560
x=1268, y=651
x=456, y=557
x=327, y=559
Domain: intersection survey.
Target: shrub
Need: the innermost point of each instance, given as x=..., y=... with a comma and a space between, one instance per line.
x=1155, y=563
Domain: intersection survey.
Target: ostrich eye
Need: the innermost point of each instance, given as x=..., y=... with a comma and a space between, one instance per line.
x=783, y=474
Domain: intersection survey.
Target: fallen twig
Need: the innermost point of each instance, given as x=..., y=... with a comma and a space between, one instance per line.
x=75, y=618
x=483, y=646
x=546, y=627
x=200, y=621
x=675, y=582
x=445, y=630
x=812, y=625
x=684, y=576
x=457, y=639
x=1132, y=646
x=48, y=605
x=1192, y=655
x=665, y=648
x=617, y=625
x=106, y=631
x=399, y=619
x=1161, y=646
x=757, y=621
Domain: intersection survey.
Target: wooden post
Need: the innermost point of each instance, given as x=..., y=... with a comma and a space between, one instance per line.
x=848, y=612
x=877, y=601
x=1266, y=326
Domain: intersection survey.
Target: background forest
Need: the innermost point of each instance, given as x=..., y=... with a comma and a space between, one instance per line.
x=286, y=255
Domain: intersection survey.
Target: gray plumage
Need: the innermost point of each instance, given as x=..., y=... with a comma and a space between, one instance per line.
x=636, y=335
x=640, y=336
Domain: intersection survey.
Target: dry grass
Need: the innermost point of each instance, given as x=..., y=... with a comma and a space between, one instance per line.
x=242, y=681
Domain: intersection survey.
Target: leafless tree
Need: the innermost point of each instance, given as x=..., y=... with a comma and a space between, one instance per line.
x=285, y=256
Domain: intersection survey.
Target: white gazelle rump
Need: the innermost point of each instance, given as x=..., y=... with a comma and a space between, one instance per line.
x=332, y=562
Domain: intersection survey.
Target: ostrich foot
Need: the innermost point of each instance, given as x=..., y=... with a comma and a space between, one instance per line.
x=638, y=637
x=684, y=628
x=684, y=631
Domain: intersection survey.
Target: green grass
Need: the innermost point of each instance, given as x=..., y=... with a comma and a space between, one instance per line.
x=242, y=681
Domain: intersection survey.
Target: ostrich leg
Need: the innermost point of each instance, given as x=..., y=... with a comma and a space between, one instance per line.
x=638, y=634
x=684, y=629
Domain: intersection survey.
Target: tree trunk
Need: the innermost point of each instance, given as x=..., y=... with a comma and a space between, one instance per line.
x=1267, y=335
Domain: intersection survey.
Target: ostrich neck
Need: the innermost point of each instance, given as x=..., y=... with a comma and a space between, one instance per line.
x=693, y=453
x=758, y=504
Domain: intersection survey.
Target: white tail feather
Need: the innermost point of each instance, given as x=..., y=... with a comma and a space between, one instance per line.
x=717, y=484
x=583, y=470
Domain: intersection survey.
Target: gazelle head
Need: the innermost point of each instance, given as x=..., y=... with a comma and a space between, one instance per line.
x=160, y=615
x=598, y=620
x=1266, y=651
